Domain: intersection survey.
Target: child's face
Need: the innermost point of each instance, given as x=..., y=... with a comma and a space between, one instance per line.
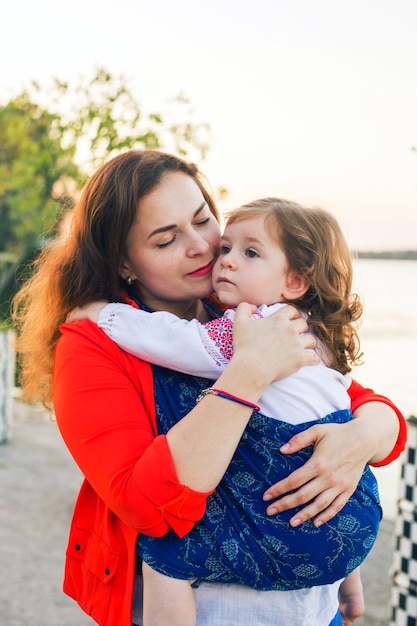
x=251, y=266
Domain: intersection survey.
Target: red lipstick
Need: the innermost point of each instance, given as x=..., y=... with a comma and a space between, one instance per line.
x=202, y=271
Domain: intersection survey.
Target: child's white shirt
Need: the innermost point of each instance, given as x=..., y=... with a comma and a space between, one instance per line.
x=205, y=350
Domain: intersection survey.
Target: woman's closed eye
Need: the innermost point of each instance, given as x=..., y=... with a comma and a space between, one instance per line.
x=202, y=222
x=164, y=244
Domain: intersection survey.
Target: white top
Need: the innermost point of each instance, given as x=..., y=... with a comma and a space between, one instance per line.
x=205, y=350
x=225, y=604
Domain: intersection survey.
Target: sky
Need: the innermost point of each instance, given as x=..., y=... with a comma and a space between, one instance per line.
x=310, y=100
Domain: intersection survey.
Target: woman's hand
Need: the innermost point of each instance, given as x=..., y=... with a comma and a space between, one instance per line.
x=328, y=478
x=331, y=475
x=275, y=346
x=89, y=312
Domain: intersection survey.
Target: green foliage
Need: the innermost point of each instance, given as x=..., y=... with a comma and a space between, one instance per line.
x=32, y=159
x=103, y=117
x=52, y=139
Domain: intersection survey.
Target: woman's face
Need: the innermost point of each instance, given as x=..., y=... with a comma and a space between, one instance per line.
x=171, y=247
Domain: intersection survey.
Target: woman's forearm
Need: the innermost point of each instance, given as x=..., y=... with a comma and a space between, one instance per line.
x=202, y=444
x=361, y=396
x=380, y=426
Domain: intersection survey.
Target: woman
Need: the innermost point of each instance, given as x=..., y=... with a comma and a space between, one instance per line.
x=145, y=231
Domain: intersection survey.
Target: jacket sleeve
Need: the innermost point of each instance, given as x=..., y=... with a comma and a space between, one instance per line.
x=360, y=395
x=104, y=406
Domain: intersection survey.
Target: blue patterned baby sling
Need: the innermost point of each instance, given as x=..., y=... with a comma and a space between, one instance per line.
x=235, y=541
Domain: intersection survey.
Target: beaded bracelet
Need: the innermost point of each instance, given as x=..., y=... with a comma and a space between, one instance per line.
x=227, y=396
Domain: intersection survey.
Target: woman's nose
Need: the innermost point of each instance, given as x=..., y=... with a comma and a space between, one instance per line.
x=197, y=244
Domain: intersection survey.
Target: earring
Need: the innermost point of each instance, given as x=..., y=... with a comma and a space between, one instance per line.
x=129, y=280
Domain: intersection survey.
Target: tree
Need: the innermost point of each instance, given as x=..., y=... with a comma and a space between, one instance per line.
x=32, y=159
x=52, y=139
x=109, y=119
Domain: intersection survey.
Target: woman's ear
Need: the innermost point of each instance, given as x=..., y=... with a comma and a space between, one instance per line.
x=296, y=286
x=124, y=270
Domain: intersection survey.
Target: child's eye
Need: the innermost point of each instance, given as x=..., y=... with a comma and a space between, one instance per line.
x=251, y=253
x=224, y=248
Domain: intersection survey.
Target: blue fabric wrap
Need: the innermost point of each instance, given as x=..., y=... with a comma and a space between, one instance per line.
x=235, y=541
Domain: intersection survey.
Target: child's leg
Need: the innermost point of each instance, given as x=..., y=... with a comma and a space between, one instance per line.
x=167, y=601
x=351, y=600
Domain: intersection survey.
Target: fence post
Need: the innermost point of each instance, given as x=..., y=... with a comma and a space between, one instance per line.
x=404, y=565
x=7, y=373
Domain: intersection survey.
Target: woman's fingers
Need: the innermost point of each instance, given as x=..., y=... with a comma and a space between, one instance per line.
x=323, y=485
x=280, y=340
x=322, y=507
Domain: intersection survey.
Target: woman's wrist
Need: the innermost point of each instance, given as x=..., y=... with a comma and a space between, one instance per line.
x=203, y=443
x=361, y=396
x=243, y=379
x=379, y=426
x=215, y=391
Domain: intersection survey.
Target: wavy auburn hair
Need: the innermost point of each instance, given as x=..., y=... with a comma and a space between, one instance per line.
x=315, y=248
x=82, y=265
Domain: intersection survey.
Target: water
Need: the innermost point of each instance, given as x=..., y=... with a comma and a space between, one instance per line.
x=388, y=334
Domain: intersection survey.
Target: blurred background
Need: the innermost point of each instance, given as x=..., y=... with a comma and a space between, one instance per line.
x=312, y=101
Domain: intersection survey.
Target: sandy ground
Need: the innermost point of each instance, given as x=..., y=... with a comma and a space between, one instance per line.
x=38, y=485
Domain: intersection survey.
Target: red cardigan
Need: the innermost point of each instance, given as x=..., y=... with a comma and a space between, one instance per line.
x=104, y=406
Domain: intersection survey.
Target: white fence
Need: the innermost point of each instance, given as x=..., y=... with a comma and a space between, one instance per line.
x=7, y=373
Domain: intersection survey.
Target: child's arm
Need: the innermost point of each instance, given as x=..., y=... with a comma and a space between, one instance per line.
x=165, y=339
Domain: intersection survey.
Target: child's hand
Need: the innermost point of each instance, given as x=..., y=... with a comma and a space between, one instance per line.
x=89, y=312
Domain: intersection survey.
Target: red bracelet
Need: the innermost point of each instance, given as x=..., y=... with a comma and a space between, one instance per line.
x=227, y=396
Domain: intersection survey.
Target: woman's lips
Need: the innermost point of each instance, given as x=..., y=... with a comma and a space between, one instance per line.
x=202, y=271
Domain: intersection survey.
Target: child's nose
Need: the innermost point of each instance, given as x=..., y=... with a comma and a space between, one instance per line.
x=228, y=261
